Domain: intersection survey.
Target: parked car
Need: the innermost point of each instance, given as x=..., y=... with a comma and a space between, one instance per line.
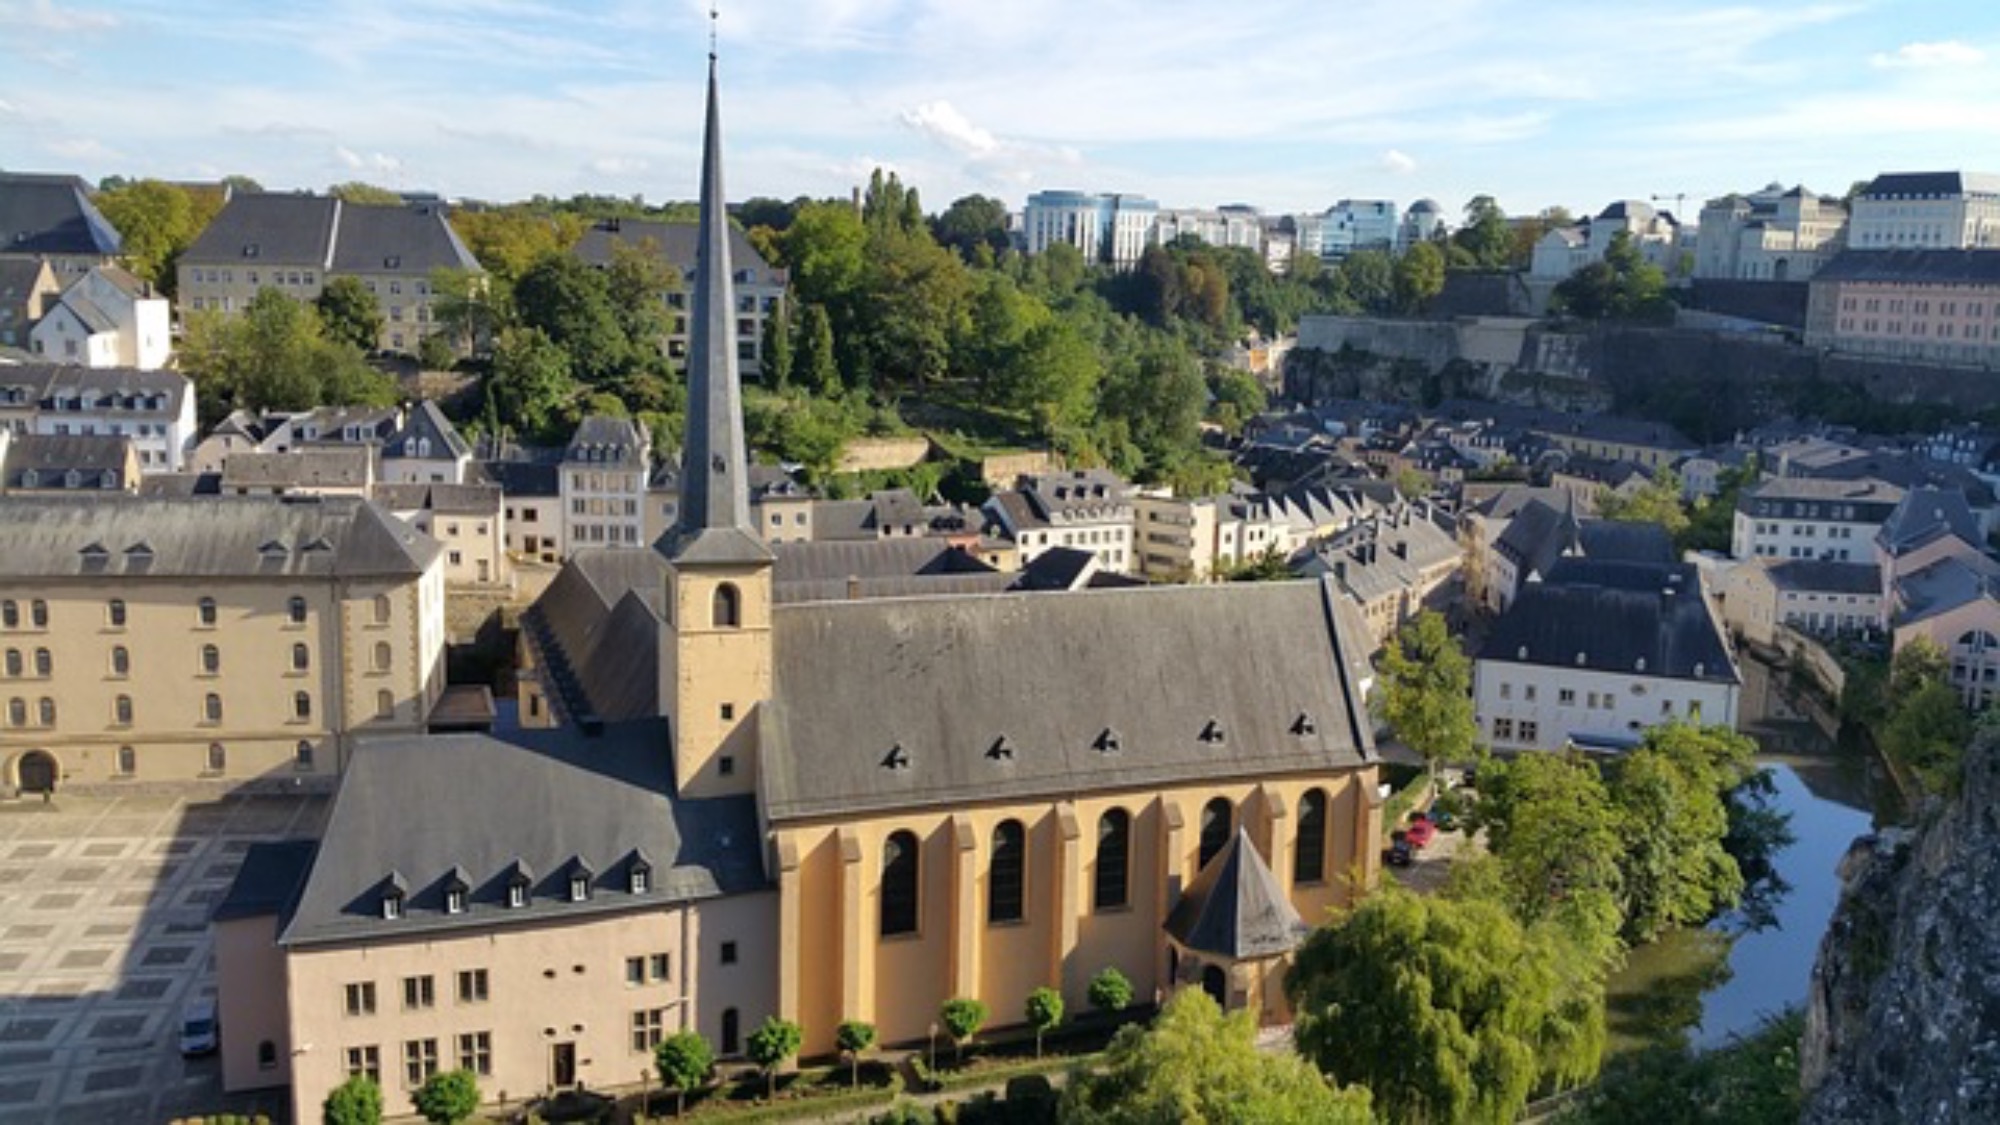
x=200, y=1034
x=1420, y=832
x=1441, y=815
x=1399, y=853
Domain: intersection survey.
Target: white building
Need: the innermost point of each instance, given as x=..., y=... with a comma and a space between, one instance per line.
x=1423, y=222
x=1811, y=596
x=1114, y=229
x=154, y=408
x=1927, y=210
x=1358, y=224
x=1565, y=250
x=603, y=483
x=1597, y=653
x=106, y=318
x=1770, y=235
x=1810, y=518
x=1087, y=509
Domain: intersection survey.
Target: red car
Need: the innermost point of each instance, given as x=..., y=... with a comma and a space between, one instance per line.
x=1420, y=832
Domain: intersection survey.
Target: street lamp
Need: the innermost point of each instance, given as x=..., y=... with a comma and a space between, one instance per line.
x=933, y=1054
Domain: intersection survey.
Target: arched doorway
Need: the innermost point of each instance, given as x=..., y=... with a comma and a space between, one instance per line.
x=1215, y=982
x=37, y=772
x=1781, y=270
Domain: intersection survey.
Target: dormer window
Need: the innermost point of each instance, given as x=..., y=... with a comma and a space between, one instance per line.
x=454, y=901
x=392, y=905
x=517, y=894
x=640, y=877
x=579, y=887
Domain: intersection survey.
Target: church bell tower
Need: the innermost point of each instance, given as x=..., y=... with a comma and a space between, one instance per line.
x=715, y=646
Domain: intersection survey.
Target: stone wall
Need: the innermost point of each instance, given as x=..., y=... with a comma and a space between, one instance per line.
x=863, y=455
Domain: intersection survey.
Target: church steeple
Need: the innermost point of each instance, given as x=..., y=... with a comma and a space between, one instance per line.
x=714, y=472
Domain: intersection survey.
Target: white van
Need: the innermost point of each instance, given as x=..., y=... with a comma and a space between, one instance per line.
x=200, y=1034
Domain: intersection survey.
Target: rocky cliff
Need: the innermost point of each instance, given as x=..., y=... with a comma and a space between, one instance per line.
x=1903, y=1016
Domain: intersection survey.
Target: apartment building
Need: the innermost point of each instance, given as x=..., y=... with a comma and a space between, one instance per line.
x=1933, y=306
x=1810, y=518
x=106, y=318
x=603, y=483
x=1927, y=210
x=1088, y=509
x=156, y=409
x=760, y=288
x=1114, y=229
x=233, y=639
x=297, y=243
x=1769, y=235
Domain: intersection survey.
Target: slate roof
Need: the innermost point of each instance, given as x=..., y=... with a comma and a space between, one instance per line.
x=1926, y=185
x=1785, y=497
x=52, y=457
x=1235, y=909
x=546, y=800
x=596, y=632
x=208, y=536
x=1925, y=515
x=53, y=386
x=1611, y=617
x=323, y=231
x=613, y=442
x=1536, y=536
x=1826, y=576
x=1625, y=541
x=1941, y=267
x=444, y=499
x=676, y=243
x=1943, y=586
x=1058, y=568
x=52, y=215
x=525, y=478
x=1011, y=696
x=320, y=466
x=268, y=881
x=426, y=421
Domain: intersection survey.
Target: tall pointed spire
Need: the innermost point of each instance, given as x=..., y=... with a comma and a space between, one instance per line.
x=714, y=471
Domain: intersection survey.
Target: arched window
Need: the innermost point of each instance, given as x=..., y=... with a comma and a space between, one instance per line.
x=301, y=658
x=1114, y=859
x=1006, y=876
x=1309, y=864
x=114, y=612
x=211, y=660
x=302, y=705
x=17, y=712
x=211, y=708
x=295, y=609
x=732, y=1032
x=383, y=655
x=1978, y=640
x=48, y=711
x=14, y=662
x=40, y=610
x=205, y=611
x=121, y=710
x=10, y=614
x=218, y=758
x=899, y=884
x=727, y=610
x=1217, y=821
x=382, y=608
x=121, y=661
x=45, y=664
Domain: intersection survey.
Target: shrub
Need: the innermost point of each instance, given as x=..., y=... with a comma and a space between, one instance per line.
x=357, y=1101
x=1110, y=991
x=962, y=1016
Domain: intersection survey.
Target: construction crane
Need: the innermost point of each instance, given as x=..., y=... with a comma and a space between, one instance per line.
x=1679, y=198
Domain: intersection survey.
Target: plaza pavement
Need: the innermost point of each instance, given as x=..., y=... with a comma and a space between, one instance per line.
x=104, y=904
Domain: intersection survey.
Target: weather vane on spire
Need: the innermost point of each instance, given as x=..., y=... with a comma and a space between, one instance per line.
x=711, y=32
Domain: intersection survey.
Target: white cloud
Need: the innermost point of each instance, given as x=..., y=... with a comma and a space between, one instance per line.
x=988, y=157
x=942, y=122
x=44, y=15
x=372, y=162
x=1399, y=162
x=1924, y=56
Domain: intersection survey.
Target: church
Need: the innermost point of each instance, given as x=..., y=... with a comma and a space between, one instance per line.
x=821, y=809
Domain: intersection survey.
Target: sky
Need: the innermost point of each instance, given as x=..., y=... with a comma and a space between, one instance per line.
x=1289, y=105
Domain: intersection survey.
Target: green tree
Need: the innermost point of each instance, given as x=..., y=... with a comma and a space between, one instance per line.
x=571, y=303
x=1485, y=238
x=529, y=386
x=508, y=240
x=854, y=1037
x=1196, y=1064
x=962, y=1017
x=773, y=1042
x=448, y=1097
x=1555, y=837
x=469, y=308
x=364, y=195
x=818, y=363
x=1044, y=1012
x=1445, y=1009
x=1751, y=1080
x=1110, y=991
x=1624, y=286
x=1369, y=278
x=1427, y=691
x=684, y=1060
x=970, y=223
x=1419, y=276
x=1658, y=501
x=1238, y=397
x=156, y=222
x=777, y=348
x=1053, y=377
x=1926, y=734
x=1670, y=796
x=1156, y=393
x=276, y=356
x=434, y=352
x=350, y=312
x=357, y=1101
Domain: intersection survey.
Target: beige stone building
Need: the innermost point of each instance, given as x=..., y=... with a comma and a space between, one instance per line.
x=816, y=809
x=218, y=638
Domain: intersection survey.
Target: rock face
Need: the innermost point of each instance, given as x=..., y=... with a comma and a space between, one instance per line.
x=1903, y=1016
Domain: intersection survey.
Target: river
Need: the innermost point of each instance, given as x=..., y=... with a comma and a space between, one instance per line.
x=1704, y=985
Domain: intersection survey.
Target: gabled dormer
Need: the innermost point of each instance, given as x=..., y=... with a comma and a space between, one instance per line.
x=520, y=880
x=639, y=873
x=391, y=893
x=457, y=890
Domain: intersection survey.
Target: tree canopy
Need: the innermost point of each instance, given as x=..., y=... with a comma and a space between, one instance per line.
x=1427, y=691
x=448, y=1097
x=350, y=313
x=276, y=356
x=1202, y=1067
x=157, y=221
x=357, y=1101
x=1624, y=286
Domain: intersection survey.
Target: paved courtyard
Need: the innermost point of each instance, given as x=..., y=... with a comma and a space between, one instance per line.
x=104, y=939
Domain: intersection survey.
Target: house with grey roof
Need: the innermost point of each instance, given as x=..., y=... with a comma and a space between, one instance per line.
x=27, y=287
x=52, y=218
x=68, y=463
x=1816, y=597
x=760, y=287
x=1090, y=509
x=106, y=318
x=156, y=409
x=603, y=483
x=1595, y=652
x=296, y=243
x=1811, y=518
x=468, y=521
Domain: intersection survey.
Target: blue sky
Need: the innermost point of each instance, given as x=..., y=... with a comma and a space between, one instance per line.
x=1287, y=105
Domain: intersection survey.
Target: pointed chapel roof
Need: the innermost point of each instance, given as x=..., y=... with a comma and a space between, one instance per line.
x=1235, y=908
x=714, y=520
